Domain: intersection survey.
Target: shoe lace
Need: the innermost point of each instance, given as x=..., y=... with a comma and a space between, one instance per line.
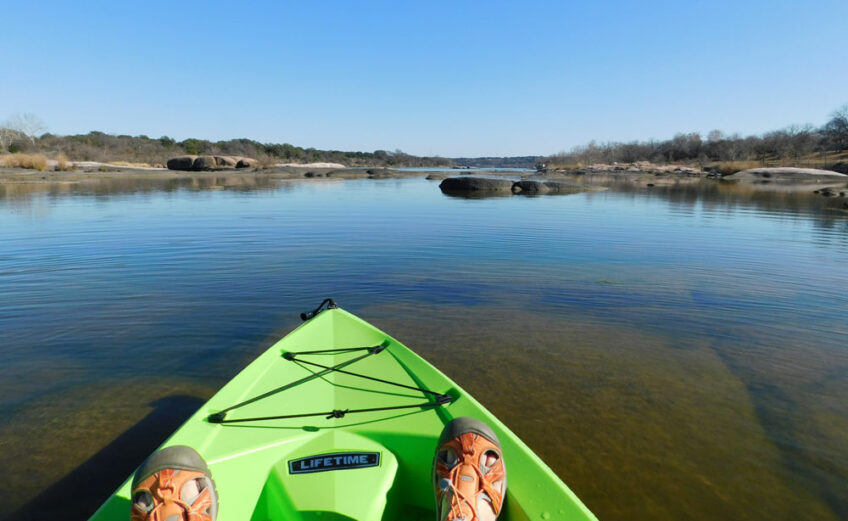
x=485, y=481
x=166, y=482
x=458, y=498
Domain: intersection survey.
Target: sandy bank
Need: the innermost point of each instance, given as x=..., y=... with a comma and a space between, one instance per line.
x=312, y=165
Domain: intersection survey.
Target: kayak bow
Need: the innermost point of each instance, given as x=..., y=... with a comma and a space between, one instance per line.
x=339, y=421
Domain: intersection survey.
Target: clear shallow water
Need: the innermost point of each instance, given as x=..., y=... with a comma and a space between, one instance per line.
x=675, y=353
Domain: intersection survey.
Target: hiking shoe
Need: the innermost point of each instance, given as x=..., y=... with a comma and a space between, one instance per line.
x=468, y=472
x=174, y=484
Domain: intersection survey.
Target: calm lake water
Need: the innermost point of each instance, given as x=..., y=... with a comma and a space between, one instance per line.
x=672, y=353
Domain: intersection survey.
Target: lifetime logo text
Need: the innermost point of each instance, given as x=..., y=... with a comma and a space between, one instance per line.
x=335, y=461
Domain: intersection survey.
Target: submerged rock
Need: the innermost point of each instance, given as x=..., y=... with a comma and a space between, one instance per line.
x=564, y=188
x=381, y=173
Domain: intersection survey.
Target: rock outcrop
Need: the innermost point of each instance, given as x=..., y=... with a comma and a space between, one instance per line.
x=181, y=163
x=204, y=163
x=201, y=163
x=247, y=162
x=639, y=167
x=226, y=161
x=786, y=174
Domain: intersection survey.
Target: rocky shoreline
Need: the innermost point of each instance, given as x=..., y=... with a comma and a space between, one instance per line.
x=639, y=167
x=477, y=183
x=468, y=184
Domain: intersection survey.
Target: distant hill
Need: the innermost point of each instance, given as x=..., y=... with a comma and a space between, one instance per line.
x=497, y=162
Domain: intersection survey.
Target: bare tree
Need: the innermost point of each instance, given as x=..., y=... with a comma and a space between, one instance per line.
x=7, y=137
x=26, y=124
x=837, y=128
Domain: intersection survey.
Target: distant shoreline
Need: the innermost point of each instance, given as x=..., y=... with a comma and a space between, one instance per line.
x=596, y=175
x=107, y=171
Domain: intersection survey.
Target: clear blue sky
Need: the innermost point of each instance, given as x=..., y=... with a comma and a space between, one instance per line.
x=450, y=78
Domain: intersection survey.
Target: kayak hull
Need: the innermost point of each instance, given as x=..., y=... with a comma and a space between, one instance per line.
x=362, y=466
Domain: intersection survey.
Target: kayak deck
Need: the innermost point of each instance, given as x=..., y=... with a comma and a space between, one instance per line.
x=362, y=466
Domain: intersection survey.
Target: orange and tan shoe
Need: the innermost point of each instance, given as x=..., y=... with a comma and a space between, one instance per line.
x=174, y=484
x=468, y=472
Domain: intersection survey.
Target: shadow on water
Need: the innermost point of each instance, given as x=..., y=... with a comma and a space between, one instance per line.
x=78, y=494
x=820, y=475
x=786, y=424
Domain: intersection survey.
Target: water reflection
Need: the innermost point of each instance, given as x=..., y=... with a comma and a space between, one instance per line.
x=715, y=195
x=10, y=192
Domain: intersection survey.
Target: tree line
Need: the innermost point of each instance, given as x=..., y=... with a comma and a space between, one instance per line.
x=22, y=133
x=796, y=145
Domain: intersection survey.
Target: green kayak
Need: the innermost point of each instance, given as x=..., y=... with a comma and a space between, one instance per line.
x=339, y=421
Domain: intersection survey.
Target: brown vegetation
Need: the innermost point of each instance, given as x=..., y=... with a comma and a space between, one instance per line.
x=62, y=163
x=30, y=161
x=267, y=162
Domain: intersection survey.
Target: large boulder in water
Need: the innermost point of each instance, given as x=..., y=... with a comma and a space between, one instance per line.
x=204, y=163
x=475, y=184
x=526, y=187
x=181, y=163
x=530, y=188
